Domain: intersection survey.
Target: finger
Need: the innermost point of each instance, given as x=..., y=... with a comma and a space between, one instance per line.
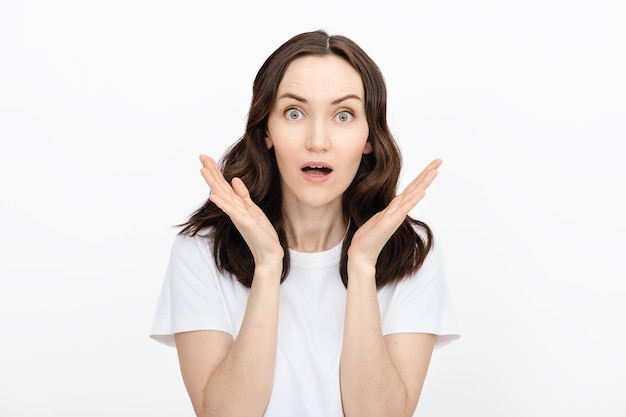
x=244, y=213
x=244, y=194
x=209, y=166
x=415, y=191
x=208, y=162
x=421, y=182
x=222, y=194
x=213, y=176
x=231, y=205
x=205, y=160
x=435, y=163
x=240, y=188
x=432, y=166
x=425, y=178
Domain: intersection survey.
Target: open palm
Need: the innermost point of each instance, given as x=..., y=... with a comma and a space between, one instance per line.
x=234, y=199
x=372, y=236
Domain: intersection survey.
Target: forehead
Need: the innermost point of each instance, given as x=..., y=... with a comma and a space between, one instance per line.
x=321, y=75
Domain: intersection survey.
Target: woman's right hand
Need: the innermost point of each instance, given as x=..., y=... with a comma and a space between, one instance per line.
x=254, y=226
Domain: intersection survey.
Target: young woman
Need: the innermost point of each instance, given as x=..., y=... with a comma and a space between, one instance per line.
x=302, y=287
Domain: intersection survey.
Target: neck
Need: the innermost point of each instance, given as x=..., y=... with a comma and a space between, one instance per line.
x=314, y=230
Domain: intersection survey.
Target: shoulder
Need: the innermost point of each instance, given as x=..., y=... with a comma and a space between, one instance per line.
x=194, y=250
x=431, y=239
x=421, y=302
x=186, y=244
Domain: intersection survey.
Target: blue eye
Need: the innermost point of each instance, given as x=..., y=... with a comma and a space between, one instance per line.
x=344, y=116
x=293, y=114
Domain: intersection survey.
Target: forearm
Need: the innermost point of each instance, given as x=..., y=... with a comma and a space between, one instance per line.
x=370, y=383
x=241, y=385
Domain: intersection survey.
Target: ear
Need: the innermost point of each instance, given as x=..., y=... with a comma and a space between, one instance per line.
x=367, y=148
x=268, y=141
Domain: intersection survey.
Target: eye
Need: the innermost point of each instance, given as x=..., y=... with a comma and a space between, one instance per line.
x=293, y=114
x=344, y=116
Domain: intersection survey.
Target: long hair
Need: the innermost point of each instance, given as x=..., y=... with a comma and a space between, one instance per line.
x=372, y=189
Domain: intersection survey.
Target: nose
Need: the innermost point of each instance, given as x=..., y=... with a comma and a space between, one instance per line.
x=317, y=137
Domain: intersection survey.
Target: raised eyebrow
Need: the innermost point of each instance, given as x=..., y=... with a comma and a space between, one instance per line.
x=334, y=102
x=347, y=97
x=293, y=96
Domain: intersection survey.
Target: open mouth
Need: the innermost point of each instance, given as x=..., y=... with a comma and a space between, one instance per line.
x=316, y=170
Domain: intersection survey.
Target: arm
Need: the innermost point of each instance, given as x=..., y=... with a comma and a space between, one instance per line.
x=216, y=369
x=234, y=378
x=381, y=376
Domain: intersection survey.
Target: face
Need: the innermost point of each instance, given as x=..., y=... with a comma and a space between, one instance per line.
x=318, y=129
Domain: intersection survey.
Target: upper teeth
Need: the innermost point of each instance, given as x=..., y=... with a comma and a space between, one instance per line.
x=316, y=166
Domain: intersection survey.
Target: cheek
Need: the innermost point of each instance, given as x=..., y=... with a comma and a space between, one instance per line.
x=359, y=143
x=279, y=136
x=284, y=152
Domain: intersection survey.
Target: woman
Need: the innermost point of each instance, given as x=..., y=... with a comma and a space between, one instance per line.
x=302, y=287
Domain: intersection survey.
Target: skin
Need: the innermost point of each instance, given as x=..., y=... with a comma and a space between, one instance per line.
x=319, y=117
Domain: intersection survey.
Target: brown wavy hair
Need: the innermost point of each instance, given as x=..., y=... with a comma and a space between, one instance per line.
x=373, y=187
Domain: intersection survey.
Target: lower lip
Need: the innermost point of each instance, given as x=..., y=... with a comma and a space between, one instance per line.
x=315, y=177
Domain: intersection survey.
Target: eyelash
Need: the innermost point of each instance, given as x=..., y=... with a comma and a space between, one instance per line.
x=290, y=109
x=346, y=112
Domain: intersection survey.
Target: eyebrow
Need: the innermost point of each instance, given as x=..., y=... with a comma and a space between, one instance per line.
x=303, y=100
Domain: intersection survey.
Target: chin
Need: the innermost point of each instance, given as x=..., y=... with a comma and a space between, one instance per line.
x=320, y=201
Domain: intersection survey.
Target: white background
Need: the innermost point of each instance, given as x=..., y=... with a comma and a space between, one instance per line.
x=105, y=106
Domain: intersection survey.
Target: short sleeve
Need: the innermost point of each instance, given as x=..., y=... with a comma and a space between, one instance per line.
x=421, y=303
x=189, y=298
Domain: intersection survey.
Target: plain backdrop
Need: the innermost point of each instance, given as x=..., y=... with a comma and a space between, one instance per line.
x=106, y=105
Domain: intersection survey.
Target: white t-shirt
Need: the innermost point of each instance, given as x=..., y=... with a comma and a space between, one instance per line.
x=195, y=296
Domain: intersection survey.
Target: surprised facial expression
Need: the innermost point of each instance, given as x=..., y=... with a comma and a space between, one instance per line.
x=318, y=129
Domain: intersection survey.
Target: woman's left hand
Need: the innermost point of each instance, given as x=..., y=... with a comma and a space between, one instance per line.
x=370, y=238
